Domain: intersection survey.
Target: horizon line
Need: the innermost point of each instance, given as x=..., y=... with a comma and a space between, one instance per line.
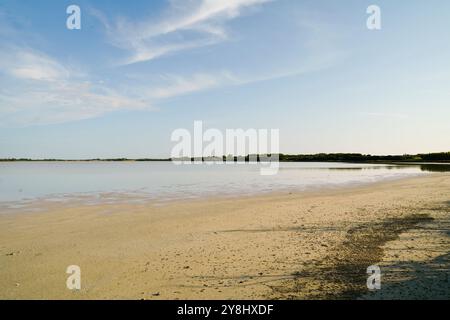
x=286, y=157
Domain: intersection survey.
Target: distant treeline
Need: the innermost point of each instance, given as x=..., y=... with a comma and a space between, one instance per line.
x=357, y=157
x=80, y=160
x=320, y=157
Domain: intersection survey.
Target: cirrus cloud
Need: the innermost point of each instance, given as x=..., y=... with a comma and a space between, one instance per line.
x=197, y=23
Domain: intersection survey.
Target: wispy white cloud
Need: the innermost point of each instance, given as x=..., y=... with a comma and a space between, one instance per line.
x=31, y=65
x=178, y=85
x=203, y=19
x=36, y=89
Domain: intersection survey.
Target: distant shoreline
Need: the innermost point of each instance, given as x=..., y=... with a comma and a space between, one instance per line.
x=442, y=157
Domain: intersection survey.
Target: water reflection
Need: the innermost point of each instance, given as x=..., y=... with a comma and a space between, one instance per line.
x=428, y=167
x=435, y=167
x=164, y=180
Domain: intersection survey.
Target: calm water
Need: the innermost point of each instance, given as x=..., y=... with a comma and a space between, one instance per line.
x=105, y=181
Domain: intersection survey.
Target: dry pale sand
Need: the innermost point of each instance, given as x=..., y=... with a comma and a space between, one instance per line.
x=281, y=246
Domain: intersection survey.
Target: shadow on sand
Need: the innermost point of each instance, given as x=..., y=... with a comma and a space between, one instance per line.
x=414, y=280
x=342, y=274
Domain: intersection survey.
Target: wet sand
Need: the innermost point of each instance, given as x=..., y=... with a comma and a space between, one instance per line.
x=280, y=246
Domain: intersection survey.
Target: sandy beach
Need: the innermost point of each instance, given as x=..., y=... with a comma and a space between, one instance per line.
x=311, y=245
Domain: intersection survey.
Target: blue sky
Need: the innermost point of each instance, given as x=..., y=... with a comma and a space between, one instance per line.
x=138, y=70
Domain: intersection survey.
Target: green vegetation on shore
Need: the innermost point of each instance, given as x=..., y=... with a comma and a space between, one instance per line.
x=442, y=157
x=356, y=157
